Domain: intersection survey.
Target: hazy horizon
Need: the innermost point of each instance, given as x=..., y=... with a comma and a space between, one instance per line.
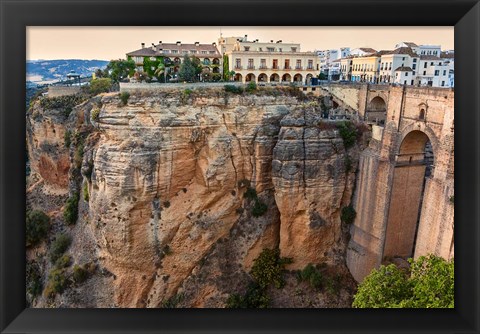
x=106, y=43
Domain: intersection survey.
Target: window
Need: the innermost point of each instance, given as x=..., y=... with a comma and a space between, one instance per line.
x=279, y=49
x=413, y=72
x=238, y=63
x=437, y=72
x=250, y=64
x=424, y=72
x=174, y=51
x=444, y=72
x=263, y=63
x=403, y=58
x=411, y=83
x=405, y=82
x=431, y=64
x=193, y=51
x=246, y=48
x=275, y=64
x=271, y=49
x=406, y=74
x=390, y=66
x=260, y=49
x=204, y=52
x=287, y=64
x=299, y=64
x=185, y=52
x=414, y=66
x=443, y=83
x=425, y=65
x=294, y=49
x=422, y=114
x=212, y=52
x=310, y=64
x=414, y=60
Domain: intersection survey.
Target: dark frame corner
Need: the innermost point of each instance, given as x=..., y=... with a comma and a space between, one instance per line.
x=17, y=14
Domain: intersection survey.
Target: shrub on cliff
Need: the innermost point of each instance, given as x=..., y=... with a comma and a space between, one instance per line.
x=100, y=85
x=80, y=274
x=95, y=114
x=259, y=208
x=57, y=282
x=33, y=279
x=70, y=211
x=311, y=275
x=348, y=132
x=124, y=96
x=59, y=246
x=37, y=227
x=67, y=138
x=429, y=284
x=233, y=89
x=348, y=214
x=255, y=297
x=64, y=261
x=251, y=87
x=268, y=268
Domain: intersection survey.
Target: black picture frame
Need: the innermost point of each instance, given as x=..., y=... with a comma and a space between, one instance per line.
x=17, y=14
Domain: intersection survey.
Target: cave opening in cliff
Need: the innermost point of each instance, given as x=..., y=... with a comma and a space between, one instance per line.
x=414, y=166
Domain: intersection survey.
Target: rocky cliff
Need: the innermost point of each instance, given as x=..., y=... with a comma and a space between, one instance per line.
x=181, y=190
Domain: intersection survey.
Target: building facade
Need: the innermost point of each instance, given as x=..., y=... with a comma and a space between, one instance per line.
x=148, y=59
x=272, y=62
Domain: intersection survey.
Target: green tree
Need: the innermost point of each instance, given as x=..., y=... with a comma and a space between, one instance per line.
x=187, y=70
x=101, y=85
x=120, y=69
x=428, y=284
x=226, y=73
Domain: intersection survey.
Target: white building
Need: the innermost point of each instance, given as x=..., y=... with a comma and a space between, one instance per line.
x=433, y=72
x=392, y=61
x=271, y=62
x=361, y=52
x=326, y=57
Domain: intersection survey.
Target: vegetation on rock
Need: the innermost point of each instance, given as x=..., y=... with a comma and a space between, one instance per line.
x=70, y=211
x=37, y=227
x=59, y=246
x=348, y=214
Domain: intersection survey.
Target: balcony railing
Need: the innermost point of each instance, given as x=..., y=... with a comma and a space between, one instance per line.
x=263, y=67
x=251, y=67
x=275, y=68
x=287, y=68
x=298, y=67
x=238, y=67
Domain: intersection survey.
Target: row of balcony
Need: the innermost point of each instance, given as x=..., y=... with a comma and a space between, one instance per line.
x=272, y=68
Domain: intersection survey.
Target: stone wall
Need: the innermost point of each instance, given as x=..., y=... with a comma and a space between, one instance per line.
x=56, y=91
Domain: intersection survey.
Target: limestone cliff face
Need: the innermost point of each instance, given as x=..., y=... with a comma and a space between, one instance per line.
x=166, y=175
x=313, y=181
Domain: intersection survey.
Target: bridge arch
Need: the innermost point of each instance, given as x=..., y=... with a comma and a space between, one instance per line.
x=376, y=109
x=414, y=163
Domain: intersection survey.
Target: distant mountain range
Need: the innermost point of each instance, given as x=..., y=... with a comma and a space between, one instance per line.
x=46, y=71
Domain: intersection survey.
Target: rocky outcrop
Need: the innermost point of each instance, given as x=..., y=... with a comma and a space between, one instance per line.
x=166, y=176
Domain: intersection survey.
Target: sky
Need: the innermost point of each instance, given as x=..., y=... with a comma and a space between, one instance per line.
x=108, y=43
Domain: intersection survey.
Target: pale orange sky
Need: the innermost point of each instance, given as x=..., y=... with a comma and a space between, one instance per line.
x=114, y=42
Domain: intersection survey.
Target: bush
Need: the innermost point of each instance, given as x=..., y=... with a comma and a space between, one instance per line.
x=255, y=297
x=59, y=246
x=348, y=214
x=57, y=282
x=233, y=89
x=430, y=284
x=172, y=302
x=37, y=227
x=64, y=261
x=70, y=211
x=268, y=268
x=33, y=279
x=124, y=97
x=80, y=274
x=348, y=132
x=259, y=208
x=250, y=194
x=86, y=195
x=311, y=275
x=67, y=138
x=78, y=157
x=100, y=85
x=251, y=87
x=95, y=114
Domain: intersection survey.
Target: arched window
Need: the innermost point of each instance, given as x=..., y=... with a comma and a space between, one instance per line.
x=422, y=114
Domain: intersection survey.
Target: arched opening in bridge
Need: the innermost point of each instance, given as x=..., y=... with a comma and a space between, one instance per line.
x=376, y=110
x=414, y=164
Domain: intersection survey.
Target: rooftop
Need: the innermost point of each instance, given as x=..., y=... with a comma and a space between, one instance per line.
x=165, y=49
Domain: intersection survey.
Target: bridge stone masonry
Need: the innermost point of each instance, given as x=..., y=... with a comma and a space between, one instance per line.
x=405, y=180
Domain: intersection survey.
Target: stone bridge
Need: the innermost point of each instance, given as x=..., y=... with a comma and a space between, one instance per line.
x=405, y=181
